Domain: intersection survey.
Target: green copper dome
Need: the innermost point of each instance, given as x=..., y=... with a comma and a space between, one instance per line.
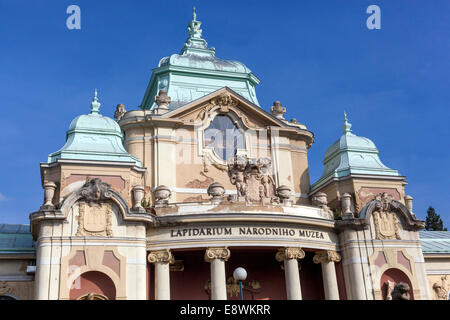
x=94, y=137
x=352, y=154
x=196, y=72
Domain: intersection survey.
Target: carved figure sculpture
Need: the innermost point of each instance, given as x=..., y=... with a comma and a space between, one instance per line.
x=401, y=291
x=390, y=288
x=120, y=112
x=95, y=190
x=252, y=178
x=441, y=288
x=236, y=173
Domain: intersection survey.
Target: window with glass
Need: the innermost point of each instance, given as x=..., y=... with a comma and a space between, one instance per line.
x=224, y=137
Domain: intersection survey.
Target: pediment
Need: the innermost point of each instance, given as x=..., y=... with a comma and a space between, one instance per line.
x=225, y=101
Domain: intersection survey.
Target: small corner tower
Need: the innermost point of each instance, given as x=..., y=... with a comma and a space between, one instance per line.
x=353, y=166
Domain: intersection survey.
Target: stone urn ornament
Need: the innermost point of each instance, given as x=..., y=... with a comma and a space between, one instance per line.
x=49, y=192
x=138, y=195
x=284, y=193
x=162, y=195
x=216, y=191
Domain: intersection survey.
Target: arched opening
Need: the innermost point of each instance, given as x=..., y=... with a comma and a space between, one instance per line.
x=93, y=285
x=394, y=276
x=7, y=297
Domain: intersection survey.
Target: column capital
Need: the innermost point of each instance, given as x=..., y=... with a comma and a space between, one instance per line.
x=221, y=253
x=164, y=256
x=289, y=253
x=326, y=256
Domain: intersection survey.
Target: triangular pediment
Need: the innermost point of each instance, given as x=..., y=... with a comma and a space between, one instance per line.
x=226, y=100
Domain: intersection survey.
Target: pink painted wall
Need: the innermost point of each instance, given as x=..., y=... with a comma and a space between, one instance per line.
x=95, y=282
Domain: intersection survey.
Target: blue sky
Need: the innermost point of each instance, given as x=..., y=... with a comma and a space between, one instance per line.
x=317, y=57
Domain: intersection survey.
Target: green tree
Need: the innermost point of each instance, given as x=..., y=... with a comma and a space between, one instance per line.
x=434, y=221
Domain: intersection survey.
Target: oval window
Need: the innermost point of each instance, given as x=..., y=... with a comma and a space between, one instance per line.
x=224, y=137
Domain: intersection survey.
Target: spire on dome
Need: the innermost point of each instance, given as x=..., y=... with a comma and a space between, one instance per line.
x=95, y=105
x=347, y=125
x=195, y=43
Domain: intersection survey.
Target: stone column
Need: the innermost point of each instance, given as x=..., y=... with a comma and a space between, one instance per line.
x=161, y=259
x=217, y=257
x=327, y=260
x=291, y=271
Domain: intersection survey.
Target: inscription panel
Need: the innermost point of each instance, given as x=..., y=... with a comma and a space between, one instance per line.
x=240, y=234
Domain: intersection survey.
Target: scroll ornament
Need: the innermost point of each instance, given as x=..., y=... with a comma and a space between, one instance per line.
x=326, y=257
x=217, y=253
x=162, y=256
x=289, y=253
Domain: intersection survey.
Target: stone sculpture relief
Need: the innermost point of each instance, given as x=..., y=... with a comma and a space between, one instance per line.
x=390, y=287
x=386, y=222
x=252, y=178
x=441, y=288
x=163, y=101
x=120, y=112
x=320, y=200
x=401, y=292
x=95, y=190
x=94, y=219
x=277, y=110
x=95, y=213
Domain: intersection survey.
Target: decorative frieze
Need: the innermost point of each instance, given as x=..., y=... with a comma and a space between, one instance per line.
x=289, y=253
x=162, y=256
x=326, y=257
x=222, y=253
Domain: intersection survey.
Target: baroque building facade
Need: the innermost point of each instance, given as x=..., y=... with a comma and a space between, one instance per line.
x=165, y=201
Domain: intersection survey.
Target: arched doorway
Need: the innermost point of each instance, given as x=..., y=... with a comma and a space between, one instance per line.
x=394, y=276
x=93, y=285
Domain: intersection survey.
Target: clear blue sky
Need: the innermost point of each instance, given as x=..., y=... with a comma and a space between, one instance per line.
x=317, y=57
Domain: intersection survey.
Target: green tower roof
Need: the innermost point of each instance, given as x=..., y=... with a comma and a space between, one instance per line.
x=352, y=154
x=94, y=137
x=196, y=72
